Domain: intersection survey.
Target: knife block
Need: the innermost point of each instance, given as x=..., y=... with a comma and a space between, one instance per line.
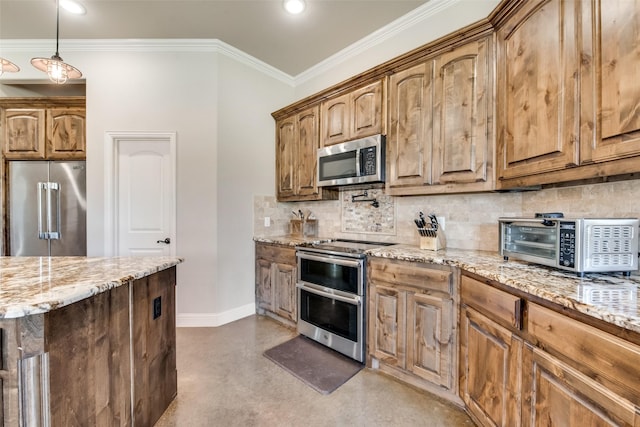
x=303, y=228
x=433, y=243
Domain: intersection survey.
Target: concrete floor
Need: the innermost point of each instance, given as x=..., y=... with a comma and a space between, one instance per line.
x=224, y=380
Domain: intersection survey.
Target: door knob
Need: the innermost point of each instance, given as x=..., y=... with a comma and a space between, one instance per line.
x=167, y=241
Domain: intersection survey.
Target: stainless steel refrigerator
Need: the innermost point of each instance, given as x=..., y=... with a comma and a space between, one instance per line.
x=47, y=208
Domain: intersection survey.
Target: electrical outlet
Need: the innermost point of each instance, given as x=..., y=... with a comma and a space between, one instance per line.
x=440, y=222
x=157, y=307
x=267, y=221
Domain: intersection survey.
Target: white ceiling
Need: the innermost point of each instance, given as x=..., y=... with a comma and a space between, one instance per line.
x=260, y=28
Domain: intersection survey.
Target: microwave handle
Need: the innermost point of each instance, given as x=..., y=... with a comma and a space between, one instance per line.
x=359, y=164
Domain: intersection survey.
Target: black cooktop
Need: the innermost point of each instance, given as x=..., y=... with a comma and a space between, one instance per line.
x=352, y=248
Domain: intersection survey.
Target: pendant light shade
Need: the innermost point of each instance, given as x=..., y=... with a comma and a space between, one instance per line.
x=8, y=66
x=59, y=71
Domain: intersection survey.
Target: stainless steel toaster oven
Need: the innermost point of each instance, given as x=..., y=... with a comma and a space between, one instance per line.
x=581, y=245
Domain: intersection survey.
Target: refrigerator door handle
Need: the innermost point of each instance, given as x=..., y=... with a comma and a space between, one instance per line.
x=42, y=187
x=53, y=186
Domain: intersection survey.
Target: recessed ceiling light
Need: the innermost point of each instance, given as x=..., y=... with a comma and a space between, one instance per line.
x=73, y=7
x=294, y=6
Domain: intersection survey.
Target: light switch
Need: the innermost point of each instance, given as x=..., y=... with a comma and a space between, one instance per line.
x=267, y=221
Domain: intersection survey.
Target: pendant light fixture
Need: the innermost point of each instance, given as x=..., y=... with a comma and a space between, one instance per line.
x=8, y=66
x=59, y=71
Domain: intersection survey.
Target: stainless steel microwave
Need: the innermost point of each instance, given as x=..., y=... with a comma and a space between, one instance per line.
x=583, y=245
x=352, y=162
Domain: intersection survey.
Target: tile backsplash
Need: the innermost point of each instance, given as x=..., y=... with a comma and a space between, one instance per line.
x=470, y=220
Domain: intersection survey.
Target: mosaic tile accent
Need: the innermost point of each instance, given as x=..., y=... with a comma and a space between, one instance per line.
x=362, y=215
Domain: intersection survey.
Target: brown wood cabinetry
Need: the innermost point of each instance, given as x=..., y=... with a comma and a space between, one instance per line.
x=353, y=115
x=441, y=123
x=490, y=355
x=412, y=327
x=276, y=275
x=297, y=142
x=554, y=370
x=43, y=129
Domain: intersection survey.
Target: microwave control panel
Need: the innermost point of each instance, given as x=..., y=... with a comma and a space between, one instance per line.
x=567, y=255
x=368, y=165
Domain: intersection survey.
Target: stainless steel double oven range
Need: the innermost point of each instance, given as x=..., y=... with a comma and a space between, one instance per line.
x=332, y=294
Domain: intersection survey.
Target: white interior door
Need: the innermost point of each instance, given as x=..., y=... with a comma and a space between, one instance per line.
x=144, y=199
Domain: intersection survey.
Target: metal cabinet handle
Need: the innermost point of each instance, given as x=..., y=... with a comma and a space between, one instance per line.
x=167, y=241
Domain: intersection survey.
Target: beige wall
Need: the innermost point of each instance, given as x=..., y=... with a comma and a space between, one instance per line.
x=470, y=219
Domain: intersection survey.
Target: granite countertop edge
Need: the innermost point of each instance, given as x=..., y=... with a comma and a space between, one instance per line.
x=36, y=285
x=566, y=289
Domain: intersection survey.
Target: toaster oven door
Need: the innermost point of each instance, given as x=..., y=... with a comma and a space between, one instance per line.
x=530, y=241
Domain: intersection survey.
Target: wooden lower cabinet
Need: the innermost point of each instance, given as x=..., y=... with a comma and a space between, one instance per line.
x=411, y=330
x=490, y=370
x=276, y=276
x=552, y=370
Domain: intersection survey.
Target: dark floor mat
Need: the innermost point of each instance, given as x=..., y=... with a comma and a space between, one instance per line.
x=319, y=367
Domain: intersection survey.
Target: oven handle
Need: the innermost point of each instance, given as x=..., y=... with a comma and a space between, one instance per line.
x=354, y=300
x=329, y=259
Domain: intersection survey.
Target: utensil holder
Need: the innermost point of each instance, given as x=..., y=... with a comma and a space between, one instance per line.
x=433, y=243
x=303, y=228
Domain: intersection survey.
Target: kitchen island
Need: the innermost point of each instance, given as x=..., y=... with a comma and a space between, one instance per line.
x=87, y=341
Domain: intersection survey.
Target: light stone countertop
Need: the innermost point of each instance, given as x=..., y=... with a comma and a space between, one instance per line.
x=34, y=285
x=289, y=240
x=609, y=297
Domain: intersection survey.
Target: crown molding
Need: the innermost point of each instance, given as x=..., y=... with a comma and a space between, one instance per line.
x=148, y=45
x=412, y=18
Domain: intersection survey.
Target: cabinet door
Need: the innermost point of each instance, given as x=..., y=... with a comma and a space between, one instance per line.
x=24, y=133
x=366, y=111
x=463, y=114
x=490, y=370
x=410, y=135
x=537, y=89
x=386, y=342
x=285, y=154
x=66, y=134
x=264, y=295
x=610, y=90
x=335, y=120
x=430, y=338
x=284, y=287
x=305, y=164
x=556, y=394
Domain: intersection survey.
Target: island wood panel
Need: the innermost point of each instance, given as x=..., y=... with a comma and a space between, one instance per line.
x=556, y=394
x=537, y=89
x=24, y=133
x=410, y=133
x=463, y=115
x=89, y=361
x=66, y=133
x=610, y=96
x=490, y=370
x=155, y=377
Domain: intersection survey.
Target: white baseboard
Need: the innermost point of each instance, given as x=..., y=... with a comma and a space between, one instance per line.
x=207, y=320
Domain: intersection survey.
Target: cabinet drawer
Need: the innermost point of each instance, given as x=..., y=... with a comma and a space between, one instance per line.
x=413, y=274
x=496, y=303
x=608, y=359
x=277, y=254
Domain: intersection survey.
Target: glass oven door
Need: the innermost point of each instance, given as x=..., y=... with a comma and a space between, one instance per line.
x=332, y=312
x=326, y=271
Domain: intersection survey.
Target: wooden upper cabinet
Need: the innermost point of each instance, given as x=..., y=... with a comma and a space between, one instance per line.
x=24, y=133
x=463, y=117
x=610, y=88
x=356, y=114
x=441, y=135
x=410, y=133
x=297, y=143
x=66, y=133
x=537, y=89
